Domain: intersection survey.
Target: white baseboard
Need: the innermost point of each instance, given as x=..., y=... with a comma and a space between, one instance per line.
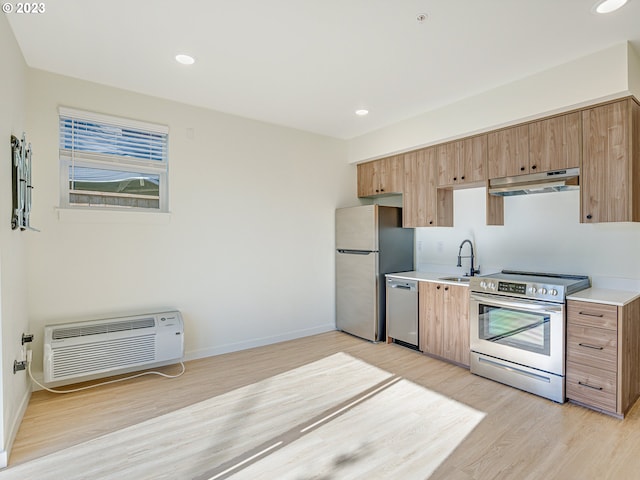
x=258, y=342
x=4, y=455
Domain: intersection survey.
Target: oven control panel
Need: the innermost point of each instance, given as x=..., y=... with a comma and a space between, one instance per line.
x=552, y=293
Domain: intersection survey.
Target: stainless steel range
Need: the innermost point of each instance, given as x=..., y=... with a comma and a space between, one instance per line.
x=517, y=325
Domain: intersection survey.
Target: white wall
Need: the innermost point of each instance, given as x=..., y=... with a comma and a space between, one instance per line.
x=14, y=389
x=247, y=255
x=541, y=233
x=601, y=75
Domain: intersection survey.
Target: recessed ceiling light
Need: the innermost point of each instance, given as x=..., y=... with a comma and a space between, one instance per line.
x=362, y=112
x=185, y=59
x=608, y=6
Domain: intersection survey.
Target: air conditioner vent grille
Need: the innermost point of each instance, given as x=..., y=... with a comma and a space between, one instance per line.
x=104, y=356
x=87, y=330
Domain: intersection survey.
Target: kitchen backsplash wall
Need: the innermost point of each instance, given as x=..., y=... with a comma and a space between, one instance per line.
x=541, y=233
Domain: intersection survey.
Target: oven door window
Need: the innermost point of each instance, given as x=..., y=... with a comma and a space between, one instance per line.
x=525, y=330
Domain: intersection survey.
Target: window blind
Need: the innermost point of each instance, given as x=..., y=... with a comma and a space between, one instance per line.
x=83, y=132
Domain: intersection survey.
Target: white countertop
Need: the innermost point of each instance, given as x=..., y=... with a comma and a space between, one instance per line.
x=427, y=277
x=606, y=296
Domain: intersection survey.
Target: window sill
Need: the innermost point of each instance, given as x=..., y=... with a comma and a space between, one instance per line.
x=83, y=215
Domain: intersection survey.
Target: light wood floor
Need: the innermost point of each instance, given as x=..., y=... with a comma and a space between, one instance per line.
x=522, y=436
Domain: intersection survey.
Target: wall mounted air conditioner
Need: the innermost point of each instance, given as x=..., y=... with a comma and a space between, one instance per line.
x=98, y=348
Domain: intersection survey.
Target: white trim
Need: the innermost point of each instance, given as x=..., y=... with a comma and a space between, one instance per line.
x=105, y=215
x=108, y=119
x=258, y=342
x=13, y=432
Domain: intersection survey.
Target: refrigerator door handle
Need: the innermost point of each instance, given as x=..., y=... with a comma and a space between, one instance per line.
x=355, y=252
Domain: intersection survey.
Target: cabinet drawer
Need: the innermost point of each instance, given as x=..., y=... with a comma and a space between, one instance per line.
x=594, y=347
x=591, y=386
x=592, y=314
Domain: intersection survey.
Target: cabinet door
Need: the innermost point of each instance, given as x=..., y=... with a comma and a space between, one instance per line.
x=472, y=159
x=431, y=311
x=456, y=324
x=508, y=152
x=605, y=174
x=391, y=174
x=367, y=179
x=554, y=143
x=424, y=205
x=448, y=164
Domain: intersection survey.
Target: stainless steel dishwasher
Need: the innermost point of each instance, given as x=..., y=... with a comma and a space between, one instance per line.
x=402, y=311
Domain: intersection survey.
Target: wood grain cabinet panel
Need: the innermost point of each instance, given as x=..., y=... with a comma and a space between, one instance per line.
x=597, y=347
x=462, y=163
x=381, y=177
x=424, y=204
x=456, y=325
x=592, y=386
x=592, y=314
x=508, y=152
x=430, y=315
x=610, y=183
x=555, y=143
x=603, y=355
x=444, y=321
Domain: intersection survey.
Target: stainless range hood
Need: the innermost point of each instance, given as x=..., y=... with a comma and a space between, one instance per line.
x=556, y=181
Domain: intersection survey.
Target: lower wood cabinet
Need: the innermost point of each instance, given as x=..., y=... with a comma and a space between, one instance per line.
x=603, y=355
x=444, y=321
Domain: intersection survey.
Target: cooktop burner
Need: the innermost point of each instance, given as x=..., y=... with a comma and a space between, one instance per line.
x=541, y=286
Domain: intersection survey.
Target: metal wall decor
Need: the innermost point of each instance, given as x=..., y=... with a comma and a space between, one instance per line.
x=21, y=177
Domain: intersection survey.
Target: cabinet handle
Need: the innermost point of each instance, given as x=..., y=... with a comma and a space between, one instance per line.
x=382, y=189
x=455, y=178
x=522, y=169
x=430, y=222
x=446, y=289
x=462, y=177
x=589, y=386
x=438, y=287
x=533, y=167
x=589, y=217
x=587, y=314
x=586, y=345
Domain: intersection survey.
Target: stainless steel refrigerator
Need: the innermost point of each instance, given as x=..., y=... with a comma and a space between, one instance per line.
x=370, y=242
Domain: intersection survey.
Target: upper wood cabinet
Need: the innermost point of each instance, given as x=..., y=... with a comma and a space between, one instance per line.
x=381, y=177
x=610, y=176
x=424, y=204
x=508, y=152
x=549, y=144
x=462, y=162
x=555, y=143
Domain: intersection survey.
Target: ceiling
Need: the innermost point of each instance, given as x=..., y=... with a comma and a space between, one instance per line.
x=309, y=64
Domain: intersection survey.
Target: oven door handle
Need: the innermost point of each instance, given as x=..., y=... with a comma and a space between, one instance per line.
x=538, y=307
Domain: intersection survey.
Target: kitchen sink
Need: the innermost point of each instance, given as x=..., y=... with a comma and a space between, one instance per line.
x=455, y=279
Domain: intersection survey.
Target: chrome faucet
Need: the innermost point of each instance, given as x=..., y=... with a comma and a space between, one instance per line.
x=472, y=270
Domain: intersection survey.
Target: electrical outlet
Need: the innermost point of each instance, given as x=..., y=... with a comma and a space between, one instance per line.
x=27, y=338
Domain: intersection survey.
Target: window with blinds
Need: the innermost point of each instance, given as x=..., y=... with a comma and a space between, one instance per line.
x=109, y=162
